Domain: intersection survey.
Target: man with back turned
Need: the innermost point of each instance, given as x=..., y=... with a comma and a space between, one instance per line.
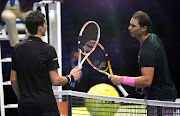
x=34, y=71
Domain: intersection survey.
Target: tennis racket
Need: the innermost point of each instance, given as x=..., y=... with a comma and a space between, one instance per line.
x=100, y=61
x=89, y=32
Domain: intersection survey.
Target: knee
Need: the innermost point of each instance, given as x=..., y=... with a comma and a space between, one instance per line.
x=9, y=18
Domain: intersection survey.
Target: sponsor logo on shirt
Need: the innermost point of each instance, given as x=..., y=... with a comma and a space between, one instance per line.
x=55, y=59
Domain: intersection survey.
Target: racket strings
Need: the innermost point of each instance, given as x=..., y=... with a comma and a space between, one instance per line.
x=88, y=47
x=89, y=33
x=99, y=59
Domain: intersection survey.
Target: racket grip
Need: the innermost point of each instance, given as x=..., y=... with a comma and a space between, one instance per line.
x=73, y=84
x=122, y=90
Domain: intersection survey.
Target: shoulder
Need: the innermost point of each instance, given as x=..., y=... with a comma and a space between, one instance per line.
x=48, y=46
x=154, y=42
x=154, y=38
x=50, y=49
x=22, y=43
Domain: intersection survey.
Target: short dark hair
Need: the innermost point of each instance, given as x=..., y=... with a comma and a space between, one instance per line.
x=143, y=19
x=33, y=21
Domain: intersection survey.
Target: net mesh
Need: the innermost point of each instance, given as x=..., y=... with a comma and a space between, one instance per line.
x=84, y=104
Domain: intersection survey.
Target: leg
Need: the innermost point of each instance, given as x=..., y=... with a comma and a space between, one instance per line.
x=10, y=19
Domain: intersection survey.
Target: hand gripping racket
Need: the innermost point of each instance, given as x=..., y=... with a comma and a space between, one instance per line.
x=100, y=61
x=89, y=32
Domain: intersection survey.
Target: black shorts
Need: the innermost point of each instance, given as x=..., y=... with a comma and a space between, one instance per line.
x=23, y=113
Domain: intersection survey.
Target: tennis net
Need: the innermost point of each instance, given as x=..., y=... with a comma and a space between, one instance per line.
x=84, y=104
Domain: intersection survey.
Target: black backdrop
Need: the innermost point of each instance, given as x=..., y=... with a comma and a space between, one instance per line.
x=113, y=17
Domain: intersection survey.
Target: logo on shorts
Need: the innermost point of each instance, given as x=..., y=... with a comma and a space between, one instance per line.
x=55, y=59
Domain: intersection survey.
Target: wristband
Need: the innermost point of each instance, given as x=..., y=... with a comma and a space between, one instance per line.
x=70, y=78
x=128, y=81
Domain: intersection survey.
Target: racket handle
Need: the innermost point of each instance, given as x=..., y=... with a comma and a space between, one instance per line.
x=73, y=84
x=122, y=90
x=120, y=87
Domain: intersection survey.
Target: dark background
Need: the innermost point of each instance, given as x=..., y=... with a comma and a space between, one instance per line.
x=113, y=16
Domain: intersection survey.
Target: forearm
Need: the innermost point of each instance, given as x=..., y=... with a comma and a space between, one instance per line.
x=14, y=82
x=139, y=81
x=61, y=80
x=142, y=81
x=15, y=87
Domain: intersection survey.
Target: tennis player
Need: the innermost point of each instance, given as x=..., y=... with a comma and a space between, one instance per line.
x=34, y=71
x=152, y=60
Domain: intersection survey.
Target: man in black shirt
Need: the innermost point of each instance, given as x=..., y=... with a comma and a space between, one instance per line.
x=34, y=71
x=155, y=79
x=152, y=61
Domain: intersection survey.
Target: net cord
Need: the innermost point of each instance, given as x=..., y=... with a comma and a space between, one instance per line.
x=119, y=99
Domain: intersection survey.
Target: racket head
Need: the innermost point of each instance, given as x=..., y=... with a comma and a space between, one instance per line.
x=89, y=32
x=99, y=59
